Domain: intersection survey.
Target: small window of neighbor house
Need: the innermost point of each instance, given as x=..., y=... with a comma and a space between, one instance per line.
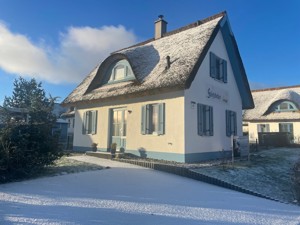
x=285, y=106
x=261, y=128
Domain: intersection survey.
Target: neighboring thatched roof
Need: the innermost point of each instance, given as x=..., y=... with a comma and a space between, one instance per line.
x=186, y=48
x=264, y=100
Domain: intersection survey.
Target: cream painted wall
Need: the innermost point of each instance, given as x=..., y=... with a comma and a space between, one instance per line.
x=171, y=142
x=274, y=127
x=198, y=93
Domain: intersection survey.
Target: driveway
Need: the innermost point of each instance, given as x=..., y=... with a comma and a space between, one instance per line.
x=128, y=194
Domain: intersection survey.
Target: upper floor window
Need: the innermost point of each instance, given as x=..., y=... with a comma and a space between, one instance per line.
x=285, y=106
x=120, y=71
x=218, y=68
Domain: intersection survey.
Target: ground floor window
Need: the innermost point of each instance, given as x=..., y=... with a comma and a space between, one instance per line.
x=153, y=119
x=262, y=128
x=231, y=123
x=89, y=125
x=205, y=120
x=286, y=127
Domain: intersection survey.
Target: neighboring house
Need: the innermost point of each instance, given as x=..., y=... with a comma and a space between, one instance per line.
x=19, y=114
x=178, y=96
x=69, y=116
x=276, y=110
x=22, y=114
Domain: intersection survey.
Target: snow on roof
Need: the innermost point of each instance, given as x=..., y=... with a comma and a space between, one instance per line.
x=265, y=98
x=148, y=61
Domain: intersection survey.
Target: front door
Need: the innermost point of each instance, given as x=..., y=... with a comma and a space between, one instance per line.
x=118, y=127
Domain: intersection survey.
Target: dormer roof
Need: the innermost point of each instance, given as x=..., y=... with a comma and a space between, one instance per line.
x=264, y=99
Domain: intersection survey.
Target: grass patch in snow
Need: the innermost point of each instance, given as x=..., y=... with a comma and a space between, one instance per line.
x=65, y=165
x=269, y=172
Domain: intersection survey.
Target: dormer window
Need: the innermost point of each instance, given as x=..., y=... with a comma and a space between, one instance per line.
x=285, y=106
x=120, y=71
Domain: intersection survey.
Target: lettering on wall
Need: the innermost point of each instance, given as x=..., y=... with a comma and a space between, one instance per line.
x=217, y=94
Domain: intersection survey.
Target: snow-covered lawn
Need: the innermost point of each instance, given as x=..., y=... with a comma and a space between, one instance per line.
x=268, y=172
x=128, y=194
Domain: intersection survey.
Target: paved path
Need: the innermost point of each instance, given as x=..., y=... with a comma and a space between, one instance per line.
x=102, y=162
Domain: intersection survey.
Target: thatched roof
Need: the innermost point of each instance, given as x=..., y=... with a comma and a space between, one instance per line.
x=186, y=48
x=264, y=100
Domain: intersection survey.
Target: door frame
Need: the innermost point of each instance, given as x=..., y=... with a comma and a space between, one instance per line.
x=110, y=133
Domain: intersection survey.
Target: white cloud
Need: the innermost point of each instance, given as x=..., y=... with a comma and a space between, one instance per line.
x=80, y=50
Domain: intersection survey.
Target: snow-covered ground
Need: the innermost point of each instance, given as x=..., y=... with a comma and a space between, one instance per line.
x=128, y=194
x=269, y=172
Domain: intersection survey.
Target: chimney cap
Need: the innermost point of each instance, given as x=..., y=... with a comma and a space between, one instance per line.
x=160, y=16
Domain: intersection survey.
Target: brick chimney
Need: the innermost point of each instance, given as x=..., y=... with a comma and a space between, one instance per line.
x=160, y=27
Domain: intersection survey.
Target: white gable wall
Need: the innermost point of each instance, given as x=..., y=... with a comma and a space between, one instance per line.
x=198, y=93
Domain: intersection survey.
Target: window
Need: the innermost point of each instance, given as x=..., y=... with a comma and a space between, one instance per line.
x=218, y=68
x=261, y=128
x=120, y=71
x=153, y=119
x=89, y=125
x=205, y=120
x=231, y=123
x=285, y=106
x=286, y=127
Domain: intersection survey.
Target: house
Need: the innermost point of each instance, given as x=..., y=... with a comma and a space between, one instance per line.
x=178, y=96
x=23, y=115
x=276, y=111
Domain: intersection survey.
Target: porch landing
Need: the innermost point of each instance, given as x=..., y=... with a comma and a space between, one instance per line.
x=103, y=155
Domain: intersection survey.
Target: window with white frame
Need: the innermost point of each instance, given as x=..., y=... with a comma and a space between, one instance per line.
x=285, y=106
x=120, y=71
x=286, y=127
x=231, y=123
x=218, y=68
x=261, y=128
x=89, y=125
x=205, y=120
x=153, y=119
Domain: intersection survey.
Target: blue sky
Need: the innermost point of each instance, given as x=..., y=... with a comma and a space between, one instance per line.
x=59, y=42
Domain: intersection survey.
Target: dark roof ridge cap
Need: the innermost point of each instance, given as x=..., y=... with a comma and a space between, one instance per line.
x=178, y=30
x=276, y=88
